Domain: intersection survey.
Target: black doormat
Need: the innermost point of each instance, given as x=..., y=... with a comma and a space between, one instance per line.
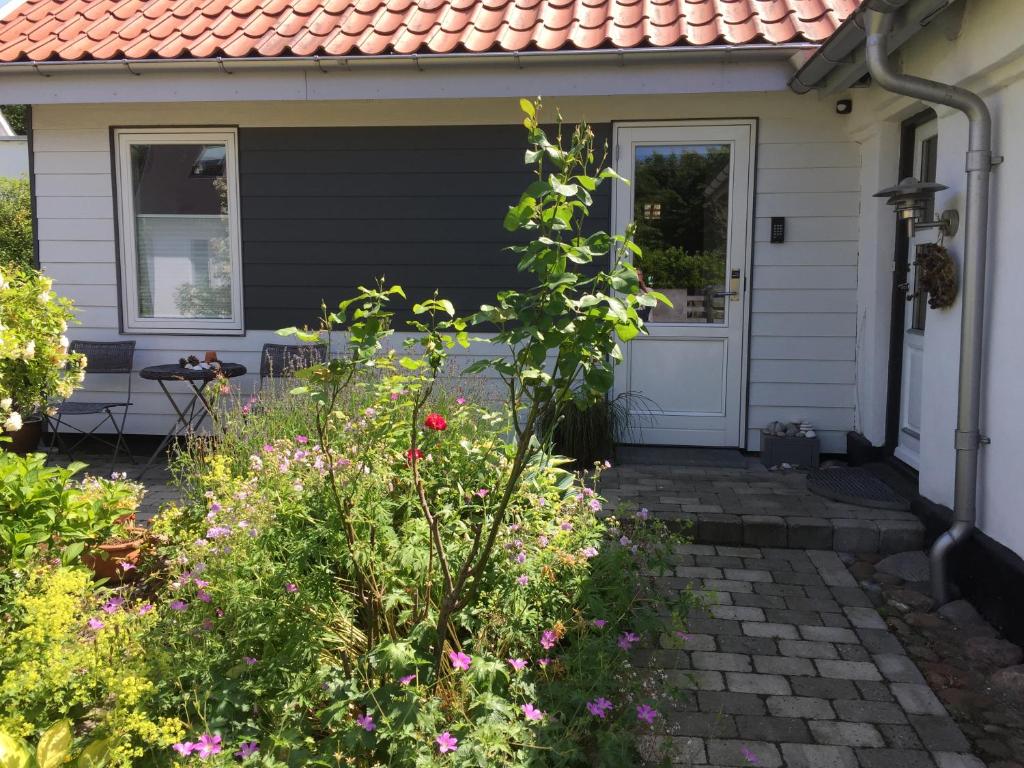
x=853, y=485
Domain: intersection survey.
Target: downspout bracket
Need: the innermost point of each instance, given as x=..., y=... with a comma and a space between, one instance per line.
x=966, y=441
x=979, y=160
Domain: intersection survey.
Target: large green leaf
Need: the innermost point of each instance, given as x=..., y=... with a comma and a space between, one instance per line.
x=14, y=753
x=54, y=745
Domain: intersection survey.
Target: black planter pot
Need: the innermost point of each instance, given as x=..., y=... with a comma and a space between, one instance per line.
x=27, y=439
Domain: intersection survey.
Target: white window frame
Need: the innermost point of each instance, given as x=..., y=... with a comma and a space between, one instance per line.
x=124, y=139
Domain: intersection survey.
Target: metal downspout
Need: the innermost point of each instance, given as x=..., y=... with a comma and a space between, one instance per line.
x=979, y=165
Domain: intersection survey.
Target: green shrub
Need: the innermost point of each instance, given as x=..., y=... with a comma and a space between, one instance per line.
x=35, y=365
x=15, y=223
x=42, y=506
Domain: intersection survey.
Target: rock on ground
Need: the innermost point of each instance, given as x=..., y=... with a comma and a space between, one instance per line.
x=909, y=566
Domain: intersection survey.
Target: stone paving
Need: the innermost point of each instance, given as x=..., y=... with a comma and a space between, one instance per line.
x=741, y=503
x=790, y=665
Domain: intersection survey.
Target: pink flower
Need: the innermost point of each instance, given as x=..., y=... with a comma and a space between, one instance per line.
x=113, y=605
x=301, y=439
x=204, y=596
x=407, y=679
x=460, y=400
x=394, y=396
x=145, y=608
x=643, y=514
x=566, y=525
x=125, y=566
x=548, y=639
x=366, y=723
x=184, y=748
x=599, y=623
x=530, y=712
x=201, y=583
x=178, y=605
x=291, y=587
x=413, y=454
x=749, y=756
x=218, y=532
x=460, y=660
x=595, y=505
x=215, y=507
x=436, y=422
x=646, y=713
x=517, y=664
x=247, y=749
x=542, y=541
x=95, y=624
x=481, y=492
x=626, y=639
x=543, y=662
x=521, y=557
x=589, y=552
x=208, y=745
x=250, y=660
x=599, y=707
x=447, y=743
x=523, y=580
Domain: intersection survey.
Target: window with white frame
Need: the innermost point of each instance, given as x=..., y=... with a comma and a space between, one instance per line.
x=179, y=228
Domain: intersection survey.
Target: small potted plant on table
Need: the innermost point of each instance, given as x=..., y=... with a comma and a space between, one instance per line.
x=34, y=362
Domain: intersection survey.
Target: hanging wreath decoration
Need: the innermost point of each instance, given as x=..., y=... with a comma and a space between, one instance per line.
x=937, y=275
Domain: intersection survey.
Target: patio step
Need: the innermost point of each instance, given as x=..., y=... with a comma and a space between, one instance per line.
x=750, y=506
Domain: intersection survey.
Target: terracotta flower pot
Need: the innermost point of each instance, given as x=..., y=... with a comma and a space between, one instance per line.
x=26, y=440
x=106, y=563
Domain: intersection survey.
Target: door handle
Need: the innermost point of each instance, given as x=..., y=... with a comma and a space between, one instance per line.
x=720, y=294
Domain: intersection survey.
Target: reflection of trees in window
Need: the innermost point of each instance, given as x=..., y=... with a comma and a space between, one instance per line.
x=681, y=213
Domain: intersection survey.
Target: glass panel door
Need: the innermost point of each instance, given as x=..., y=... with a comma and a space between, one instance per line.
x=681, y=210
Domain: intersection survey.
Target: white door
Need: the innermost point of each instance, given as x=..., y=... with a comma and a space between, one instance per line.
x=690, y=197
x=908, y=444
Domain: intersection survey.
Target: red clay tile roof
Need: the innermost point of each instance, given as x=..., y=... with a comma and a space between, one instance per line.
x=45, y=30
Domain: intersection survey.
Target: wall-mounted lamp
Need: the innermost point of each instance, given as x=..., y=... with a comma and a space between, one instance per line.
x=912, y=199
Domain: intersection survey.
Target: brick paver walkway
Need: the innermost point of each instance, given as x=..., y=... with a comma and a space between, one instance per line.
x=792, y=666
x=742, y=503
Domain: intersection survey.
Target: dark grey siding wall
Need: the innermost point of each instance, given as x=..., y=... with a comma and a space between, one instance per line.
x=327, y=209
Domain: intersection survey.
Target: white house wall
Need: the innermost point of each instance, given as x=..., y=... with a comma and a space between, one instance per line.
x=804, y=292
x=983, y=53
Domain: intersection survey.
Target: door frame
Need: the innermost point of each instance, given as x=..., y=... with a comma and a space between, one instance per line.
x=747, y=243
x=898, y=309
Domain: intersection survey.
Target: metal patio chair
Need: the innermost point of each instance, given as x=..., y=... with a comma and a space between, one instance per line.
x=107, y=357
x=278, y=361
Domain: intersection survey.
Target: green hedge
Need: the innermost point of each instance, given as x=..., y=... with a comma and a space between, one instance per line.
x=15, y=222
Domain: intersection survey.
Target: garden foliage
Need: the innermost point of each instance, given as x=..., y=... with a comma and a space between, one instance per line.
x=15, y=223
x=377, y=569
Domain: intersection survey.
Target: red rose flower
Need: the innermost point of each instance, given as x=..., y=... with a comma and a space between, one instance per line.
x=413, y=454
x=435, y=421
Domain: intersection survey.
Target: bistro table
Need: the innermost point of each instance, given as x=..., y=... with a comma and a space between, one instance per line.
x=198, y=407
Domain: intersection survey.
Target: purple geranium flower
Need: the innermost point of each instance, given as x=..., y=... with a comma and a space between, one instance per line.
x=646, y=713
x=113, y=605
x=366, y=723
x=406, y=679
x=518, y=664
x=626, y=639
x=548, y=639
x=599, y=623
x=643, y=514
x=208, y=745
x=543, y=662
x=301, y=439
x=218, y=532
x=599, y=707
x=178, y=605
x=460, y=660
x=589, y=552
x=184, y=748
x=95, y=624
x=247, y=749
x=523, y=580
x=145, y=608
x=749, y=756
x=446, y=743
x=291, y=587
x=530, y=712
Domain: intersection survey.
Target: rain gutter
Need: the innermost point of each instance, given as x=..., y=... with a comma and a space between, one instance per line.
x=967, y=438
x=327, y=64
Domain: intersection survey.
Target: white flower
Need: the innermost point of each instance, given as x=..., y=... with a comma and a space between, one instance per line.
x=6, y=403
x=30, y=349
x=64, y=344
x=13, y=423
x=44, y=297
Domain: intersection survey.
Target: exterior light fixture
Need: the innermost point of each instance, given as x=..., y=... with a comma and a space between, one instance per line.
x=912, y=200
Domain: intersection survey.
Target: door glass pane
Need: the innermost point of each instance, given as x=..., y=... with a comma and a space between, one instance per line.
x=180, y=202
x=919, y=307
x=681, y=209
